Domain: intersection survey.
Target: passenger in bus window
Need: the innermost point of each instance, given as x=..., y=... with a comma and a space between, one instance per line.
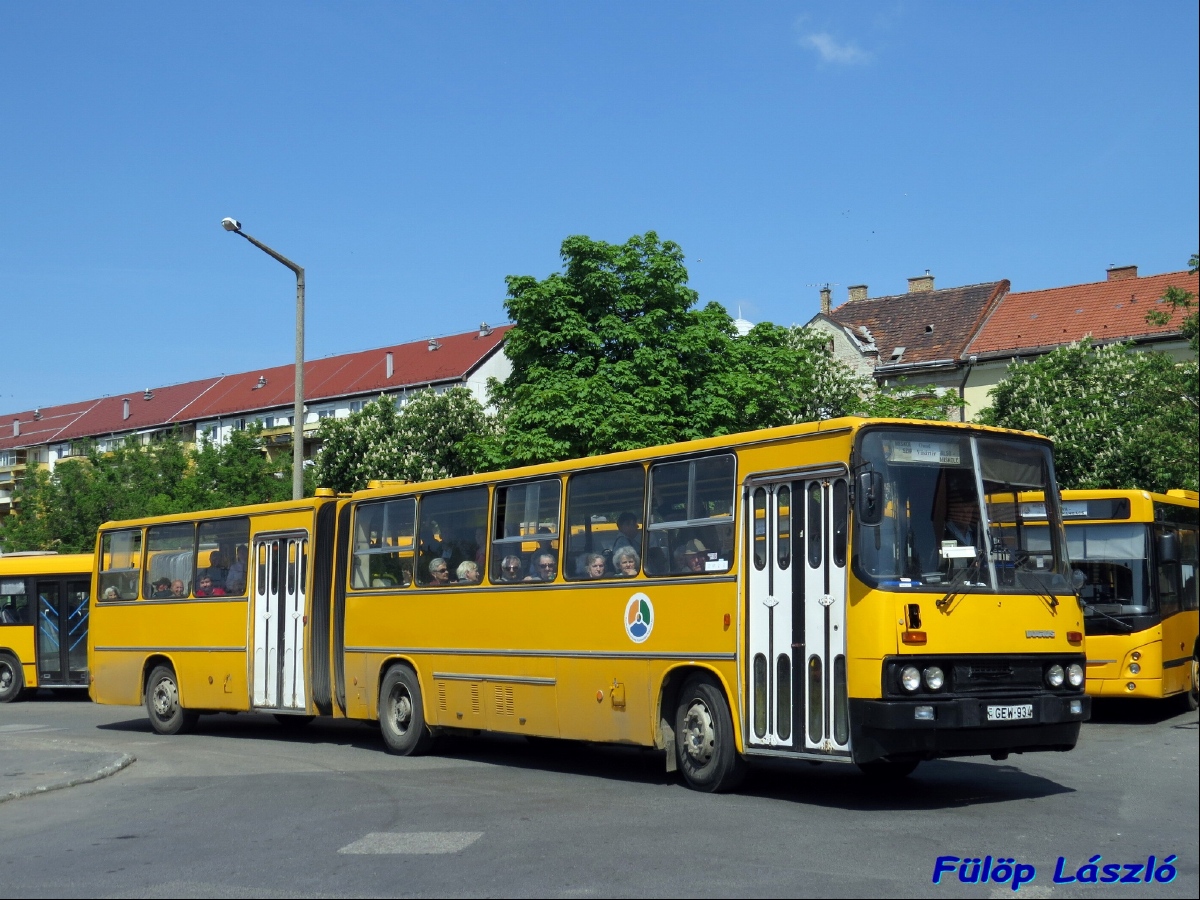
x=8, y=615
x=630, y=534
x=544, y=567
x=178, y=589
x=439, y=572
x=217, y=570
x=235, y=580
x=626, y=562
x=111, y=593
x=162, y=589
x=691, y=557
x=510, y=569
x=206, y=588
x=593, y=565
x=468, y=572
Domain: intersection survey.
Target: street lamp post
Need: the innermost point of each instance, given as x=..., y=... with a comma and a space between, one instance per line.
x=298, y=415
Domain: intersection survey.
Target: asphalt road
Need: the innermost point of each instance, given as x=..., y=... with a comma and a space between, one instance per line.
x=244, y=807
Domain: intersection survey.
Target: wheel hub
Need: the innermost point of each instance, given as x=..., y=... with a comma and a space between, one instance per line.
x=402, y=711
x=6, y=677
x=699, y=735
x=164, y=698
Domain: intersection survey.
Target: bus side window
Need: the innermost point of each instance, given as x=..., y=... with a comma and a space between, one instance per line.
x=1188, y=564
x=604, y=516
x=120, y=564
x=1168, y=578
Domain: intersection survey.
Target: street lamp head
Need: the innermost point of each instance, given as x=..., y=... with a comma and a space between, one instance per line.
x=231, y=224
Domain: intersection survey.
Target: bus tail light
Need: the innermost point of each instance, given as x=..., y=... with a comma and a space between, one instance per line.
x=1074, y=637
x=913, y=637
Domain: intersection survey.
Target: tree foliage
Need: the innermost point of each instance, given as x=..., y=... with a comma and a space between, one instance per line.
x=61, y=511
x=434, y=435
x=1178, y=298
x=613, y=354
x=1118, y=418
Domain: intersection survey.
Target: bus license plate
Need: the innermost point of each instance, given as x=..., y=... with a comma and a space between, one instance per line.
x=1010, y=713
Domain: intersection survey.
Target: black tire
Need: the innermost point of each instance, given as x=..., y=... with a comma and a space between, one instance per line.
x=12, y=678
x=402, y=713
x=162, y=703
x=293, y=723
x=888, y=769
x=704, y=740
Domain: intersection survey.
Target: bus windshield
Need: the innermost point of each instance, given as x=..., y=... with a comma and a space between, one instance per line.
x=947, y=514
x=1113, y=557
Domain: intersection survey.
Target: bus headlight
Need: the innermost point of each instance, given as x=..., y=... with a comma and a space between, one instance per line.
x=910, y=678
x=1054, y=675
x=1134, y=668
x=1075, y=674
x=934, y=678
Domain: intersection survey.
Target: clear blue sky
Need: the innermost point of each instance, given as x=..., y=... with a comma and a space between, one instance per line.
x=410, y=156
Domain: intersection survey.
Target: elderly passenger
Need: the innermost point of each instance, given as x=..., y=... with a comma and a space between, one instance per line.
x=626, y=561
x=468, y=572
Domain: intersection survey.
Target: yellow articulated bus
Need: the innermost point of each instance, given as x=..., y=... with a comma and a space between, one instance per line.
x=836, y=591
x=1137, y=555
x=43, y=622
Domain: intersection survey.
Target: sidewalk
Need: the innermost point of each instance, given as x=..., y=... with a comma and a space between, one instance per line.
x=32, y=764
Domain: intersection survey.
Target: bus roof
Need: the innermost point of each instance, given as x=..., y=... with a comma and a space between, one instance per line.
x=45, y=563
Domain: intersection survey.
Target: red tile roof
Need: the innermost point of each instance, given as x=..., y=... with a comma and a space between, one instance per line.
x=1106, y=310
x=929, y=325
x=346, y=375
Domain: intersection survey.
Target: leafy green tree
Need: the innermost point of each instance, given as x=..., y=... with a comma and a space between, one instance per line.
x=63, y=510
x=613, y=354
x=434, y=435
x=1178, y=298
x=1118, y=418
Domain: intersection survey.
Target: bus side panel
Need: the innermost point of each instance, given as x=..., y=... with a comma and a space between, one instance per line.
x=1178, y=643
x=19, y=640
x=1112, y=679
x=605, y=700
x=206, y=639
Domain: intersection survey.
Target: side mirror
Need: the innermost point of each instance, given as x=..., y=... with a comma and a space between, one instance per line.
x=1078, y=580
x=870, y=498
x=1168, y=547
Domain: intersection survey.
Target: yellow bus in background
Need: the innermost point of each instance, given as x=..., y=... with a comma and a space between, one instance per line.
x=838, y=591
x=1137, y=552
x=43, y=622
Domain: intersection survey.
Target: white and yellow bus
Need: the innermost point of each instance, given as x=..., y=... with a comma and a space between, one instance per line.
x=43, y=622
x=837, y=591
x=1137, y=554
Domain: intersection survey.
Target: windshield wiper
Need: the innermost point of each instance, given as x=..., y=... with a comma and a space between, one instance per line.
x=1042, y=592
x=1108, y=616
x=956, y=582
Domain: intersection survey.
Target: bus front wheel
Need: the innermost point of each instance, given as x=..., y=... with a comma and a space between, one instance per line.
x=401, y=713
x=704, y=741
x=162, y=703
x=12, y=678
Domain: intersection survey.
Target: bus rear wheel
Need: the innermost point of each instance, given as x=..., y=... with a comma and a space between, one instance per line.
x=704, y=742
x=402, y=714
x=12, y=678
x=162, y=703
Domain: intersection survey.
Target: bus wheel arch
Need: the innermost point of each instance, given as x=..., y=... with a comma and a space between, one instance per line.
x=162, y=700
x=12, y=678
x=401, y=711
x=706, y=751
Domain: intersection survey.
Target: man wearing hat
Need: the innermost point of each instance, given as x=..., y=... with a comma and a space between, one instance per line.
x=692, y=555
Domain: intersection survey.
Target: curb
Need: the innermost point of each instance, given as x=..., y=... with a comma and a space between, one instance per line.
x=111, y=769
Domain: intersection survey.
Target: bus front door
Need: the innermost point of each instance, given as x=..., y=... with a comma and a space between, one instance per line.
x=280, y=621
x=62, y=626
x=796, y=595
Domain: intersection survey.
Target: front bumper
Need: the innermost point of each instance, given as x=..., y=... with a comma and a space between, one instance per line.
x=960, y=727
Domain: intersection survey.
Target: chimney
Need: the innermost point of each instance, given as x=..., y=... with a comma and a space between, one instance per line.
x=1120, y=273
x=921, y=284
x=858, y=292
x=389, y=363
x=125, y=409
x=826, y=301
x=16, y=427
